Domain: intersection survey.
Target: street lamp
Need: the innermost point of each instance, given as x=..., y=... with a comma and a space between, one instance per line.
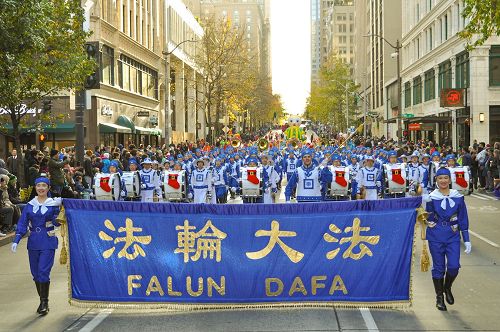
x=167, y=89
x=397, y=55
x=346, y=87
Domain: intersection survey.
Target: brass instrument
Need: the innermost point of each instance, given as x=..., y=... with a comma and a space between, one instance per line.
x=293, y=142
x=263, y=144
x=235, y=143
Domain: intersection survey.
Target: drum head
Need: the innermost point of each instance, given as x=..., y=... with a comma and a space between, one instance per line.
x=137, y=184
x=116, y=187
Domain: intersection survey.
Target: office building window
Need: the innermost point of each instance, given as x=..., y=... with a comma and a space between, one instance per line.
x=462, y=70
x=429, y=85
x=495, y=65
x=107, y=65
x=138, y=78
x=444, y=79
x=407, y=93
x=417, y=90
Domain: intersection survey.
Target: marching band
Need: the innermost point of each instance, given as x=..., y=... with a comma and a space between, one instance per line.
x=256, y=174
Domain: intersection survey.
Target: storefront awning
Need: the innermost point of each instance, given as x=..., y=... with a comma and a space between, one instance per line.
x=67, y=127
x=113, y=128
x=125, y=121
x=148, y=131
x=429, y=119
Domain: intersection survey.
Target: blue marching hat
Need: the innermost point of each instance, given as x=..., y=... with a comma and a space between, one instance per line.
x=336, y=156
x=436, y=154
x=42, y=179
x=147, y=161
x=450, y=156
x=443, y=171
x=252, y=160
x=392, y=153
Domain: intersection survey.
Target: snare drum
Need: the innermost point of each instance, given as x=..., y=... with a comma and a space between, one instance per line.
x=250, y=189
x=460, y=179
x=132, y=181
x=107, y=187
x=174, y=184
x=341, y=182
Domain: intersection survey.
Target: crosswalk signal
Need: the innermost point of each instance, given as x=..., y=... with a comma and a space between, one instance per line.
x=47, y=105
x=42, y=137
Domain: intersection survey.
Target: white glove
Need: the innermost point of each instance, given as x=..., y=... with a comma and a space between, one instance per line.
x=288, y=202
x=468, y=247
x=190, y=196
x=233, y=189
x=13, y=248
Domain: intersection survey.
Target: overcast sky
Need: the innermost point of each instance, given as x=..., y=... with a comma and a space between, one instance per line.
x=291, y=52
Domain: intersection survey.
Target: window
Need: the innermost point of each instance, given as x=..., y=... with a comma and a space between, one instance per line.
x=430, y=39
x=138, y=78
x=429, y=85
x=444, y=75
x=107, y=65
x=462, y=70
x=495, y=66
x=417, y=90
x=407, y=93
x=445, y=27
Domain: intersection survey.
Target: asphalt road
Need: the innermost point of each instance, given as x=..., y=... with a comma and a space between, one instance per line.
x=476, y=290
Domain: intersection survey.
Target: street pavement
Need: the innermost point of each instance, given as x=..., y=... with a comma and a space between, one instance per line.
x=476, y=290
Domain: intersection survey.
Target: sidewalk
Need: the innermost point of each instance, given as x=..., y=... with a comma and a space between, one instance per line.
x=7, y=239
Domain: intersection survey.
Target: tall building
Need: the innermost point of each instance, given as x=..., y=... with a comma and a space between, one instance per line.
x=332, y=32
x=378, y=23
x=131, y=37
x=435, y=58
x=315, y=41
x=253, y=15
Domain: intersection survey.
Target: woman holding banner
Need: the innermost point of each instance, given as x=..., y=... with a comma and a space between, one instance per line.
x=39, y=216
x=447, y=219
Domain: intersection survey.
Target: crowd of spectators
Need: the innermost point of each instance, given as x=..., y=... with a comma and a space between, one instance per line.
x=70, y=179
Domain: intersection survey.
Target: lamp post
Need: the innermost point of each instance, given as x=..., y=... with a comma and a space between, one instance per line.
x=397, y=54
x=167, y=89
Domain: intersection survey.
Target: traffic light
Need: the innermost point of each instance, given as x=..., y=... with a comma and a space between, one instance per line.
x=47, y=105
x=93, y=81
x=42, y=137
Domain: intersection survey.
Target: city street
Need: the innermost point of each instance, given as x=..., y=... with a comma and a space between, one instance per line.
x=476, y=294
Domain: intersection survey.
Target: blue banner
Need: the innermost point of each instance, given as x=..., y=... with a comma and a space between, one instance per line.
x=357, y=252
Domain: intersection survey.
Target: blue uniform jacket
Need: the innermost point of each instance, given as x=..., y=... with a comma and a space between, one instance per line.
x=40, y=220
x=450, y=220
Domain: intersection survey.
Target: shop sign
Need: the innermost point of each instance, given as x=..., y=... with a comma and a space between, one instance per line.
x=428, y=127
x=452, y=98
x=106, y=110
x=414, y=126
x=143, y=114
x=23, y=109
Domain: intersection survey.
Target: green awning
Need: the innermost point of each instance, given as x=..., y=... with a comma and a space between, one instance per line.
x=125, y=121
x=67, y=127
x=113, y=128
x=60, y=128
x=148, y=131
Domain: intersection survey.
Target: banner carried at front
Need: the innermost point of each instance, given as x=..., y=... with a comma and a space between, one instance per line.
x=350, y=253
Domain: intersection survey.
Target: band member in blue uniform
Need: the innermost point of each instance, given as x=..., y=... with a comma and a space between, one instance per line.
x=309, y=179
x=39, y=216
x=447, y=219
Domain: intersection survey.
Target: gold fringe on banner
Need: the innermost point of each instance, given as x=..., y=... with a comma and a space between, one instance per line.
x=424, y=256
x=61, y=218
x=401, y=305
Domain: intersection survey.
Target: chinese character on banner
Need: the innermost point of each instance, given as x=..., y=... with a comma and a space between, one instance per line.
x=274, y=237
x=205, y=243
x=354, y=240
x=130, y=239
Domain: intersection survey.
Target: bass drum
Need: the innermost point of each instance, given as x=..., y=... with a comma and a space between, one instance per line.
x=340, y=186
x=175, y=186
x=107, y=187
x=132, y=182
x=460, y=179
x=249, y=188
x=396, y=179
